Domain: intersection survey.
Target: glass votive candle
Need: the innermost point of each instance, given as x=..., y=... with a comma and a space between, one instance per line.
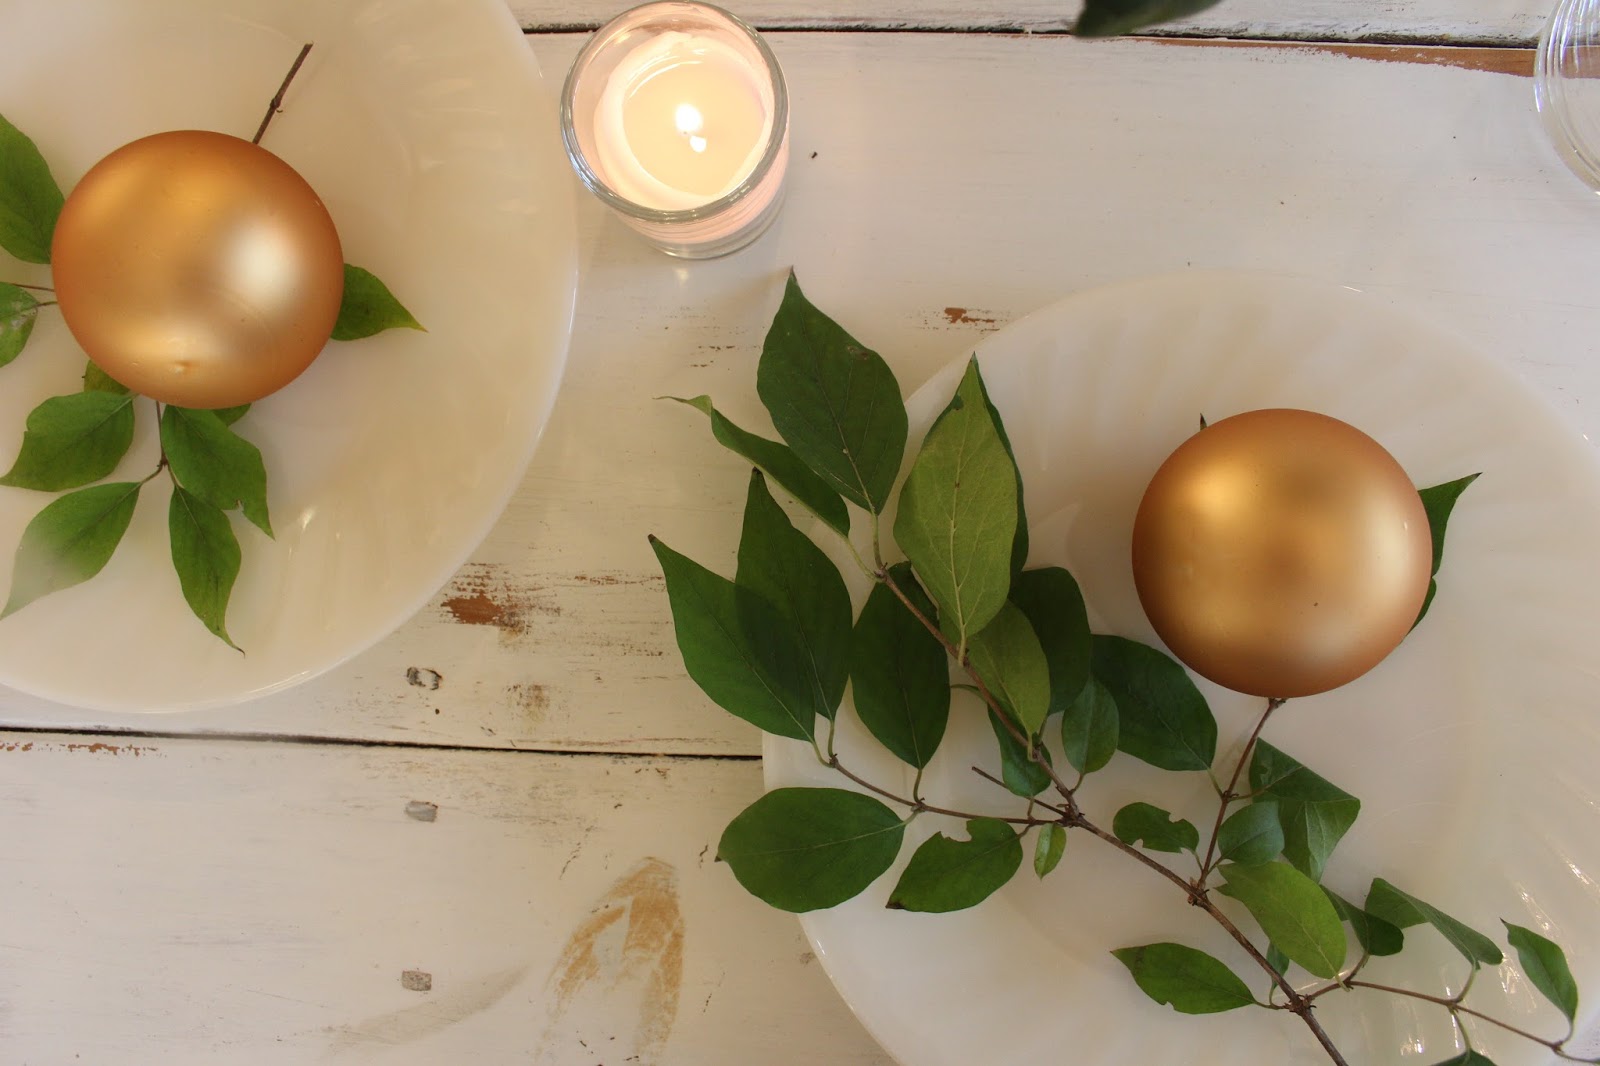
x=675, y=115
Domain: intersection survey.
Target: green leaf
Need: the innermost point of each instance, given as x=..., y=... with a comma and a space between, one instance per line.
x=1315, y=814
x=1468, y=1057
x=18, y=311
x=1162, y=718
x=1089, y=728
x=97, y=380
x=1007, y=655
x=778, y=463
x=1021, y=774
x=899, y=674
x=368, y=307
x=30, y=199
x=952, y=875
x=1155, y=827
x=1293, y=911
x=72, y=440
x=1048, y=847
x=1376, y=936
x=1252, y=835
x=1110, y=18
x=1403, y=911
x=1192, y=981
x=780, y=565
x=803, y=849
x=1275, y=956
x=833, y=401
x=205, y=553
x=230, y=415
x=70, y=541
x=719, y=626
x=215, y=463
x=1054, y=606
x=1545, y=965
x=1019, y=539
x=1438, y=501
x=958, y=512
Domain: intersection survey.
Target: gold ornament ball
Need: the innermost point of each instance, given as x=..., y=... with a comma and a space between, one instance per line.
x=1281, y=553
x=198, y=269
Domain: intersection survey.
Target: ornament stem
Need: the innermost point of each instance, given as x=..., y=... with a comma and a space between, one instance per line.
x=277, y=100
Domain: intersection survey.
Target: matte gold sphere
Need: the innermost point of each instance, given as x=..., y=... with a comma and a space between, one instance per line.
x=1281, y=553
x=197, y=268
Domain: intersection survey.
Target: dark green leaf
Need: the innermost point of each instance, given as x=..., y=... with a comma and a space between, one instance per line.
x=952, y=875
x=899, y=674
x=1048, y=847
x=1054, y=606
x=1019, y=539
x=18, y=310
x=780, y=464
x=30, y=199
x=1315, y=814
x=1376, y=936
x=1089, y=728
x=1403, y=911
x=958, y=512
x=1007, y=655
x=1192, y=981
x=215, y=463
x=835, y=402
x=1109, y=18
x=802, y=849
x=718, y=626
x=1468, y=1057
x=97, y=380
x=1275, y=956
x=1252, y=835
x=368, y=307
x=70, y=541
x=1545, y=965
x=1293, y=911
x=1022, y=775
x=1438, y=501
x=205, y=553
x=1162, y=718
x=230, y=415
x=72, y=440
x=780, y=565
x=1155, y=827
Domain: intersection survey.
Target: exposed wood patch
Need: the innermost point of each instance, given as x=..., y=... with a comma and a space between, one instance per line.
x=960, y=316
x=1514, y=61
x=94, y=747
x=479, y=597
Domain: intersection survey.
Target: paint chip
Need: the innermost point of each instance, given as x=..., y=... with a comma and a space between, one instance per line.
x=416, y=981
x=422, y=811
x=422, y=677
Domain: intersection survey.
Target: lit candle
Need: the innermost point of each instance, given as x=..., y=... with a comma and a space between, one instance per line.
x=675, y=114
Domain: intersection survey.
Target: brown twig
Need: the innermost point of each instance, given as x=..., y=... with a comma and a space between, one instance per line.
x=277, y=100
x=1453, y=1005
x=921, y=806
x=1228, y=794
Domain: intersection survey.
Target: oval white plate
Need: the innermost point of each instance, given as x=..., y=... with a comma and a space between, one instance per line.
x=427, y=131
x=1473, y=747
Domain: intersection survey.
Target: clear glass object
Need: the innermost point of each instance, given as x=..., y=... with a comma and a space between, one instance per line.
x=596, y=135
x=1566, y=85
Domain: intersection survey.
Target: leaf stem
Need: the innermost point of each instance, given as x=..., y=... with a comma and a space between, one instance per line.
x=1228, y=795
x=919, y=806
x=277, y=100
x=25, y=285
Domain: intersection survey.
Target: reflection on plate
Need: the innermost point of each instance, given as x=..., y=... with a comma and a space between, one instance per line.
x=426, y=130
x=1473, y=747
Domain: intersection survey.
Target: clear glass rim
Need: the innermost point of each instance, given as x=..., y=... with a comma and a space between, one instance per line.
x=596, y=185
x=1565, y=30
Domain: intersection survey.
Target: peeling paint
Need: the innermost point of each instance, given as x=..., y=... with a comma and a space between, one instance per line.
x=961, y=316
x=422, y=811
x=479, y=596
x=416, y=981
x=93, y=747
x=423, y=677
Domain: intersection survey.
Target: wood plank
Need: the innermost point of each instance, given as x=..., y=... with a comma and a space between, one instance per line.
x=203, y=901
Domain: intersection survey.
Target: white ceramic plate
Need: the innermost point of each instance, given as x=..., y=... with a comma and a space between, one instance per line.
x=1474, y=748
x=426, y=129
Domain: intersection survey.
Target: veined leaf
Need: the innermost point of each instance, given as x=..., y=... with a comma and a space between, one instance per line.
x=1293, y=911
x=30, y=199
x=833, y=401
x=1376, y=936
x=1251, y=835
x=1048, y=847
x=1154, y=828
x=1021, y=775
x=899, y=673
x=1403, y=911
x=1053, y=604
x=1162, y=717
x=1111, y=18
x=1438, y=501
x=1545, y=965
x=1019, y=539
x=368, y=307
x=206, y=555
x=215, y=463
x=781, y=566
x=72, y=440
x=779, y=464
x=1315, y=814
x=958, y=513
x=18, y=311
x=1192, y=981
x=230, y=415
x=1089, y=728
x=803, y=849
x=1007, y=655
x=951, y=875
x=70, y=541
x=97, y=380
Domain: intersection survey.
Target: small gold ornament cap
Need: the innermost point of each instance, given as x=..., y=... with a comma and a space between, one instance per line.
x=1281, y=553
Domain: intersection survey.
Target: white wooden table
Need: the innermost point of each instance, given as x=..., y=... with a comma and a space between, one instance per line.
x=432, y=855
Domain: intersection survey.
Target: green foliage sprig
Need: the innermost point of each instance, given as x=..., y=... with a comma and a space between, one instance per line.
x=776, y=644
x=75, y=440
